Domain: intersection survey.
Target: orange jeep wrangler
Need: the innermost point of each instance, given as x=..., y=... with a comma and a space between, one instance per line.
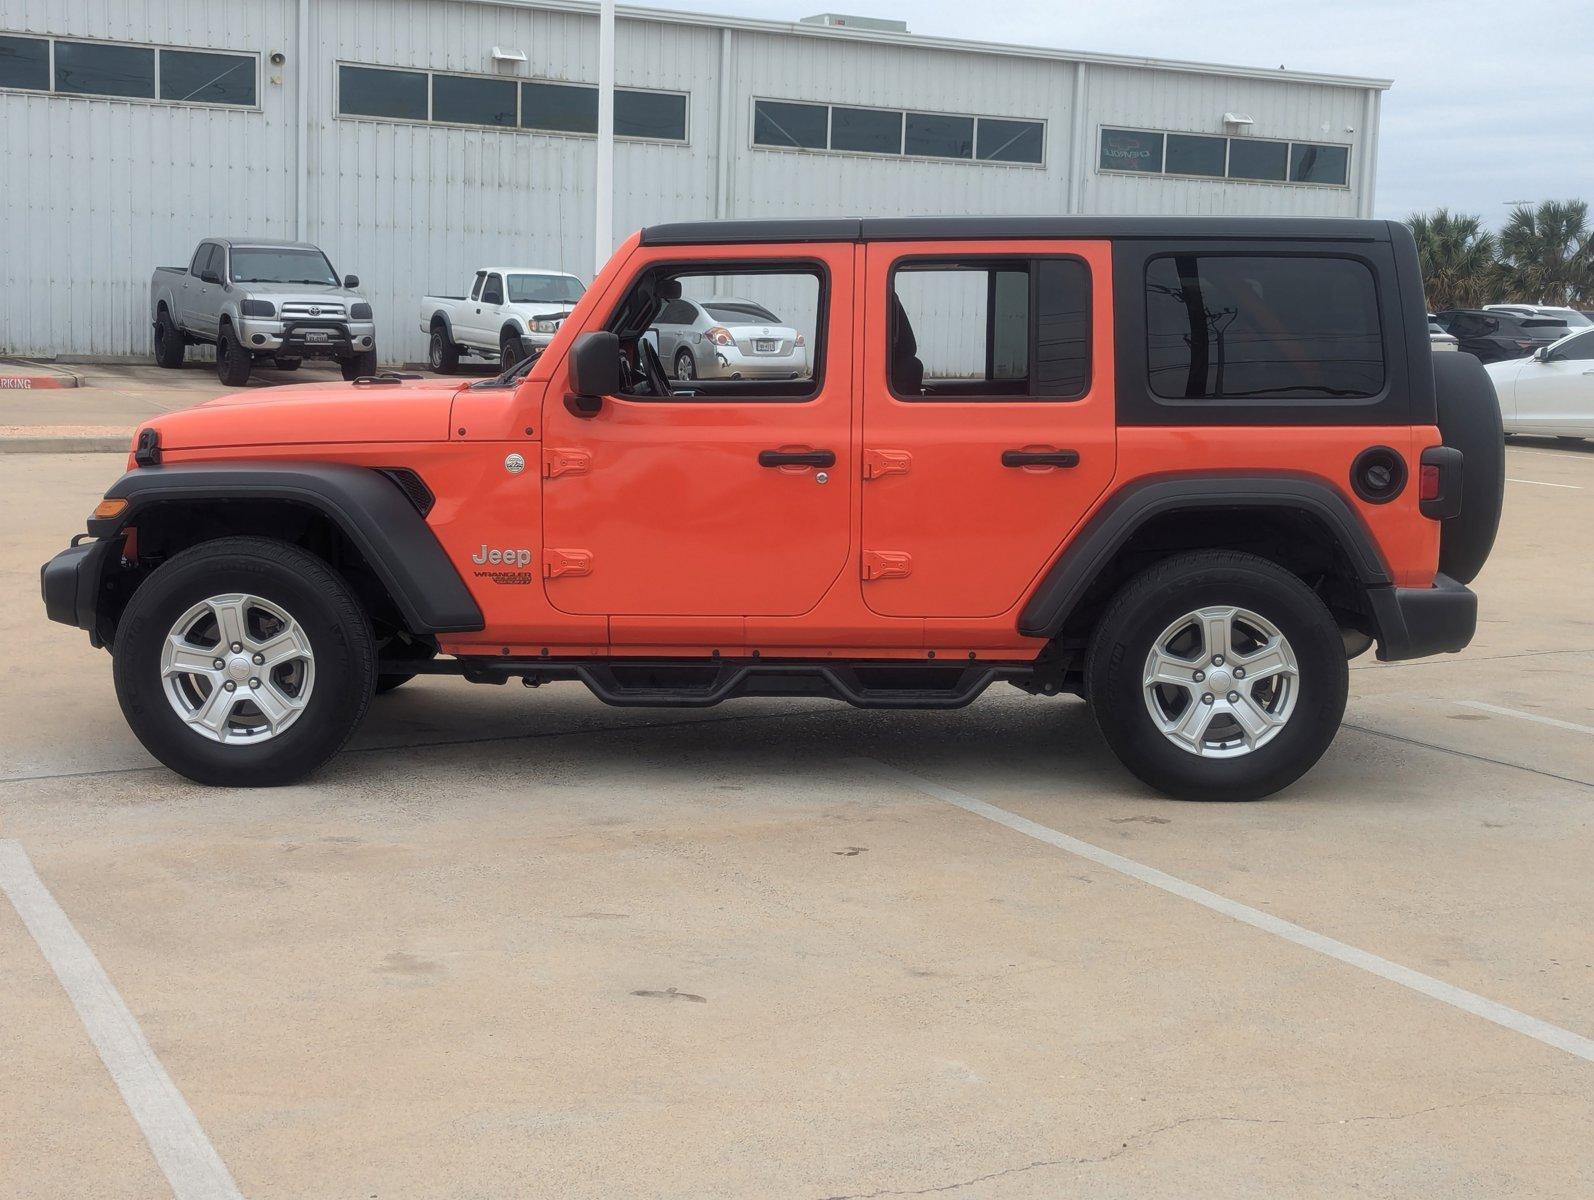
x=1185, y=468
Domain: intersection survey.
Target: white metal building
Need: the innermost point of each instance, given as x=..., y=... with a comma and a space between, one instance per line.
x=417, y=139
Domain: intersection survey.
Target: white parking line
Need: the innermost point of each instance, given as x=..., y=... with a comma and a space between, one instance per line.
x=1471, y=1002
x=183, y=1152
x=1556, y=722
x=1571, y=487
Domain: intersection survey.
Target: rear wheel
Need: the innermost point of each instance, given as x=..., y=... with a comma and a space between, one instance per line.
x=169, y=347
x=1216, y=675
x=233, y=362
x=361, y=364
x=244, y=662
x=442, y=355
x=685, y=365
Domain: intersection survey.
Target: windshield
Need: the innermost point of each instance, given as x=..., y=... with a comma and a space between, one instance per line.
x=544, y=289
x=261, y=264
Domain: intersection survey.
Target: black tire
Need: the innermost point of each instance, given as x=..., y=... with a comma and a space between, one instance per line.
x=509, y=351
x=685, y=365
x=169, y=348
x=401, y=651
x=442, y=355
x=1185, y=583
x=1469, y=420
x=361, y=364
x=287, y=364
x=233, y=362
x=317, y=598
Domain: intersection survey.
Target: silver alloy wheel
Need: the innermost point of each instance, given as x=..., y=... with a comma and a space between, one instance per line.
x=434, y=350
x=685, y=365
x=1221, y=682
x=237, y=669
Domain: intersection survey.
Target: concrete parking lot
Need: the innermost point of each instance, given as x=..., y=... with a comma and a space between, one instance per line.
x=518, y=944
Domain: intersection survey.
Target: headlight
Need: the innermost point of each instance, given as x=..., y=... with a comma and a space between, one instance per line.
x=546, y=326
x=257, y=308
x=359, y=311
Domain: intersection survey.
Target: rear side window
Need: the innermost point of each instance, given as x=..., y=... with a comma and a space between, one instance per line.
x=1244, y=327
x=997, y=329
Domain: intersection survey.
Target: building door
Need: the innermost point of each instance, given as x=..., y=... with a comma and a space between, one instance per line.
x=988, y=427
x=721, y=497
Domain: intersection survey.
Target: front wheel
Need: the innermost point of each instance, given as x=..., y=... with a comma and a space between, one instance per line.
x=244, y=662
x=360, y=365
x=233, y=362
x=1217, y=675
x=509, y=351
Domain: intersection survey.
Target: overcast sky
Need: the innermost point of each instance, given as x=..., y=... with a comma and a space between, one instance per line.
x=1493, y=102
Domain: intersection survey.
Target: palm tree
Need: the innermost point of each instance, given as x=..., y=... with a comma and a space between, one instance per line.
x=1457, y=257
x=1547, y=253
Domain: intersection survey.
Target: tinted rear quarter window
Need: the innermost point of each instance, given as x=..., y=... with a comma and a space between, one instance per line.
x=1246, y=327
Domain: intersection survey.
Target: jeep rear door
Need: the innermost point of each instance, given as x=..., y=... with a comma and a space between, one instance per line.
x=725, y=497
x=988, y=418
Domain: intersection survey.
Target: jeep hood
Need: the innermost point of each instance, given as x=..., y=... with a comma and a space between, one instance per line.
x=410, y=411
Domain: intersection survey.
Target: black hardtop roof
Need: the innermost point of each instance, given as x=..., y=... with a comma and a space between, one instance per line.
x=929, y=229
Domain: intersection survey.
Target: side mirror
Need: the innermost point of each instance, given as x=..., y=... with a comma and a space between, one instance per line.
x=351, y=281
x=594, y=372
x=1542, y=354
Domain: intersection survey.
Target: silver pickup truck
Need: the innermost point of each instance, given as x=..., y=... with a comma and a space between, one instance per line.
x=256, y=299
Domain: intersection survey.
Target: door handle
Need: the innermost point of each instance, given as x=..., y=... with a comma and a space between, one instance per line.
x=1040, y=458
x=796, y=458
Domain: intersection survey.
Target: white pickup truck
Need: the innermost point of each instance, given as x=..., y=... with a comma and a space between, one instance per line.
x=510, y=312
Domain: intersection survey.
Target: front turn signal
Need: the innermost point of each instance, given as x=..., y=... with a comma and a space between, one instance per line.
x=109, y=508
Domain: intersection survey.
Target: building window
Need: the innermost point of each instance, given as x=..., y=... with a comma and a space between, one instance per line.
x=559, y=108
x=794, y=125
x=101, y=69
x=458, y=100
x=1149, y=152
x=1000, y=329
x=204, y=77
x=660, y=116
x=1192, y=155
x=936, y=135
x=25, y=63
x=1318, y=164
x=998, y=140
x=370, y=92
x=1256, y=160
x=1244, y=327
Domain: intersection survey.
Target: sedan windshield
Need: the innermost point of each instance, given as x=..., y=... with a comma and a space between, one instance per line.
x=273, y=264
x=544, y=289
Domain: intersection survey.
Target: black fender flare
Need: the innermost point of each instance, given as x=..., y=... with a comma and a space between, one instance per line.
x=369, y=508
x=1057, y=594
x=448, y=326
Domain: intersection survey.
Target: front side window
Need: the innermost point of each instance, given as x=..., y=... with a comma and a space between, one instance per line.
x=493, y=290
x=989, y=329
x=1242, y=327
x=281, y=264
x=721, y=330
x=93, y=69
x=1578, y=349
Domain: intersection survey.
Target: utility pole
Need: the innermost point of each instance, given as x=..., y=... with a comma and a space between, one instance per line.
x=603, y=232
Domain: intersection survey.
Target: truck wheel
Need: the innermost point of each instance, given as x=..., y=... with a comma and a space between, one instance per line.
x=361, y=364
x=1215, y=675
x=169, y=347
x=509, y=352
x=233, y=362
x=244, y=662
x=442, y=355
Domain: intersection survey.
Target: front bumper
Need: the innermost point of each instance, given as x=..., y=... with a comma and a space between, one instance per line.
x=1417, y=622
x=307, y=338
x=70, y=583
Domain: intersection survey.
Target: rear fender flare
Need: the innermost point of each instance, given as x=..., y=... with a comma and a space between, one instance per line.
x=1065, y=584
x=370, y=510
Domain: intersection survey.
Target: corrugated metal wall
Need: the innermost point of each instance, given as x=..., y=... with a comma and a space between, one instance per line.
x=96, y=193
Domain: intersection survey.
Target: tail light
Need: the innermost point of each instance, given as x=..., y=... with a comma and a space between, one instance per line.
x=1439, y=483
x=720, y=336
x=1428, y=482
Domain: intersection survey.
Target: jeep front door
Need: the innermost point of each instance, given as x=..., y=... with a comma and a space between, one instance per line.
x=717, y=499
x=988, y=428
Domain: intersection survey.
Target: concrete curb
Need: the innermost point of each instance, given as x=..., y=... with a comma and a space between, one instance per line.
x=65, y=439
x=15, y=381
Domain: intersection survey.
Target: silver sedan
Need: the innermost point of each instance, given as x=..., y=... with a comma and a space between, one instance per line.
x=728, y=338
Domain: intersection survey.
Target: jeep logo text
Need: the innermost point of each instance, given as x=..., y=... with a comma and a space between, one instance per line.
x=512, y=558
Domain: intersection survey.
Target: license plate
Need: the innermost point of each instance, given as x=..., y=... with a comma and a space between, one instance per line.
x=765, y=345
x=317, y=335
